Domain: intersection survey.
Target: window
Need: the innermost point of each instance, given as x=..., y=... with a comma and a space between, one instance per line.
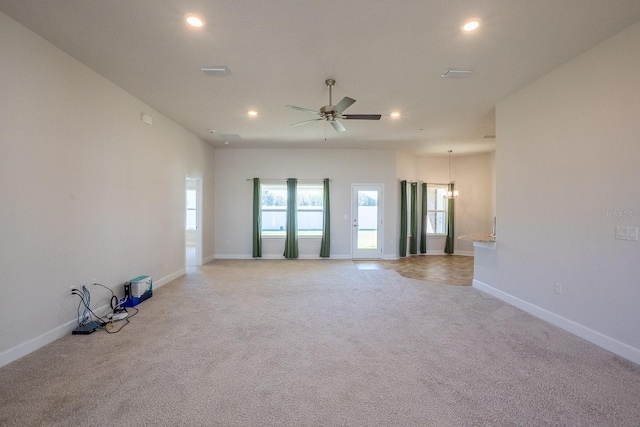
x=191, y=210
x=437, y=204
x=274, y=210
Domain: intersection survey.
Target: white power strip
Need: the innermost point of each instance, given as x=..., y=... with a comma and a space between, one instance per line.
x=117, y=316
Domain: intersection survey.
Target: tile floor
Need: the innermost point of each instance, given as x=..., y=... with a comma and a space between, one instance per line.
x=453, y=270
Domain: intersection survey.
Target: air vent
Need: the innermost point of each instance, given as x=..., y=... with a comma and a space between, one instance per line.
x=231, y=137
x=456, y=73
x=216, y=71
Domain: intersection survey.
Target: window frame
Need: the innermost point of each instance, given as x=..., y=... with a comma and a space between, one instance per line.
x=191, y=195
x=282, y=187
x=444, y=211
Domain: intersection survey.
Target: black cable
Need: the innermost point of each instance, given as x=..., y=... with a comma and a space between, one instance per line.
x=78, y=309
x=82, y=299
x=105, y=323
x=114, y=299
x=126, y=319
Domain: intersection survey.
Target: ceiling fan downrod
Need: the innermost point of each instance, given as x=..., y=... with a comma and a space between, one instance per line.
x=330, y=83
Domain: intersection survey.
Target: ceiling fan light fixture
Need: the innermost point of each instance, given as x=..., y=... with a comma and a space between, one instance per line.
x=451, y=193
x=334, y=113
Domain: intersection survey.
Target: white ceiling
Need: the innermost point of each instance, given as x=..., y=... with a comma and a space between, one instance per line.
x=387, y=55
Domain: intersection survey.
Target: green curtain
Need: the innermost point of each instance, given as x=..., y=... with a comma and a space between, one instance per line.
x=423, y=220
x=413, y=238
x=325, y=245
x=291, y=239
x=257, y=219
x=448, y=248
x=403, y=219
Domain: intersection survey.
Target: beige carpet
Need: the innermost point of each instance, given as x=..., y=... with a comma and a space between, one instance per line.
x=320, y=343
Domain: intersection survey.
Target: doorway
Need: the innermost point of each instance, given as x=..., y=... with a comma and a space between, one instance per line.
x=193, y=222
x=367, y=221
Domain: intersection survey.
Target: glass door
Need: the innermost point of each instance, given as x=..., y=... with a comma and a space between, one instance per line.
x=366, y=222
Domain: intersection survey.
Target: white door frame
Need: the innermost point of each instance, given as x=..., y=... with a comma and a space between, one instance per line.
x=374, y=253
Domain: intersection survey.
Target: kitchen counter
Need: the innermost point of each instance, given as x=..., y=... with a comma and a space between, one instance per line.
x=480, y=240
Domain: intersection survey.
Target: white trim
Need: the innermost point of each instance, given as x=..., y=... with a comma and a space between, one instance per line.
x=48, y=337
x=169, y=278
x=60, y=331
x=595, y=337
x=233, y=256
x=208, y=259
x=441, y=252
x=463, y=253
x=364, y=253
x=279, y=256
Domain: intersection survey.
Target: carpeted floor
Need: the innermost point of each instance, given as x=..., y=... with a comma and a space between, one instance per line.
x=320, y=343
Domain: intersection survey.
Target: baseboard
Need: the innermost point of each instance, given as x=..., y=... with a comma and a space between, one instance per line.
x=595, y=337
x=208, y=259
x=232, y=256
x=386, y=257
x=277, y=256
x=464, y=253
x=60, y=331
x=48, y=337
x=173, y=276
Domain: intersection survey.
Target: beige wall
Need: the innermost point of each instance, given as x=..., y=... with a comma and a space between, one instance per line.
x=567, y=174
x=89, y=192
x=475, y=207
x=344, y=168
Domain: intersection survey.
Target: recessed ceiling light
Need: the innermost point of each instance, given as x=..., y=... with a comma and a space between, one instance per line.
x=395, y=114
x=194, y=21
x=252, y=113
x=472, y=25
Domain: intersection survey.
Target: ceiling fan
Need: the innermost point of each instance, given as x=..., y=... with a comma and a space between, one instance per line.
x=331, y=113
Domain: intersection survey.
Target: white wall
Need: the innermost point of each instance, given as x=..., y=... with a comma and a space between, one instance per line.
x=344, y=167
x=568, y=149
x=88, y=191
x=474, y=178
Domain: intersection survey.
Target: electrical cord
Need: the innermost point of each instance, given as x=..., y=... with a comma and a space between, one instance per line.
x=109, y=329
x=106, y=324
x=86, y=301
x=114, y=303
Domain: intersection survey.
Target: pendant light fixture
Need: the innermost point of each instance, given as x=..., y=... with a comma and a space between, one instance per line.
x=451, y=194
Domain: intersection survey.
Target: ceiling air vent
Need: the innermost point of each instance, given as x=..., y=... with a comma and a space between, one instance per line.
x=456, y=73
x=231, y=137
x=216, y=71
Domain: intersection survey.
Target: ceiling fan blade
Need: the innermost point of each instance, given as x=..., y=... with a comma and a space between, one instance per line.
x=307, y=121
x=344, y=103
x=337, y=126
x=361, y=116
x=308, y=110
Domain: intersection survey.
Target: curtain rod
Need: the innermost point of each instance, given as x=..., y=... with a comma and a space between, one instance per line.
x=284, y=179
x=425, y=182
